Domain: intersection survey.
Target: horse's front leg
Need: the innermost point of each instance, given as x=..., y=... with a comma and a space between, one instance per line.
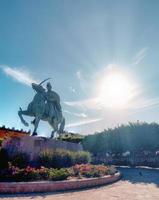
x=36, y=123
x=21, y=113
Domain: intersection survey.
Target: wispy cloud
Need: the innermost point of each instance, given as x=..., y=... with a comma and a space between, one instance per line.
x=83, y=115
x=143, y=105
x=92, y=103
x=146, y=103
x=140, y=56
x=83, y=122
x=136, y=104
x=19, y=74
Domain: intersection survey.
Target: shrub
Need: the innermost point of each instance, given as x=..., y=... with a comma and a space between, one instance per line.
x=14, y=173
x=43, y=173
x=82, y=157
x=45, y=159
x=70, y=137
x=20, y=160
x=55, y=159
x=112, y=170
x=28, y=174
x=1, y=140
x=58, y=174
x=87, y=170
x=61, y=158
x=3, y=159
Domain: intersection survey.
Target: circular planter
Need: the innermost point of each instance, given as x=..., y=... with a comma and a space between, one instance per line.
x=51, y=186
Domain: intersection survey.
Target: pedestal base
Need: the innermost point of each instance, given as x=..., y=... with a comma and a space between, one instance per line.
x=34, y=145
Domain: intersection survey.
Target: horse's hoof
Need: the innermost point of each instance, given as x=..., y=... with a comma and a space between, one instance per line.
x=34, y=134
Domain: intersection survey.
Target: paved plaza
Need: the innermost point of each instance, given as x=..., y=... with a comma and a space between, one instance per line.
x=137, y=184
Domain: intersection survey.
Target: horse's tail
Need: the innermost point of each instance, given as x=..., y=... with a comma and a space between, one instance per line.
x=62, y=125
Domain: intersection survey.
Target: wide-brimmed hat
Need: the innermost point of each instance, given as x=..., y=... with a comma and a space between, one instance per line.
x=49, y=84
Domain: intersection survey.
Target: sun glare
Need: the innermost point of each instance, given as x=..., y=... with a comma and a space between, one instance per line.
x=116, y=90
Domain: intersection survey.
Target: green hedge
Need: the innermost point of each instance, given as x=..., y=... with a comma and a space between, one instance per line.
x=62, y=158
x=133, y=137
x=20, y=160
x=58, y=174
x=48, y=158
x=70, y=137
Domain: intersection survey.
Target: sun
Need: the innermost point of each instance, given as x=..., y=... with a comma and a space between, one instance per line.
x=115, y=90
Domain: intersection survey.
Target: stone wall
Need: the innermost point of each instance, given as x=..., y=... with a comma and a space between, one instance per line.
x=52, y=186
x=34, y=145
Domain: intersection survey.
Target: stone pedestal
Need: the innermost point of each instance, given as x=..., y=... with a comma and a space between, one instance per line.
x=34, y=145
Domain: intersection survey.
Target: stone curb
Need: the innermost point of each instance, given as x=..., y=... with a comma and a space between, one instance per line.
x=52, y=186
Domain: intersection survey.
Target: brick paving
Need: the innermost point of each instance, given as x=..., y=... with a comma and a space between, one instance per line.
x=137, y=184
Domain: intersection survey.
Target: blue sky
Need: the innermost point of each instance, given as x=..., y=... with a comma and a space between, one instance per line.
x=77, y=44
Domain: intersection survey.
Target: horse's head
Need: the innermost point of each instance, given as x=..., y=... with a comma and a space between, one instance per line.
x=38, y=88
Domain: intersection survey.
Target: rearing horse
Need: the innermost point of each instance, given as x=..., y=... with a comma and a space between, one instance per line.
x=40, y=110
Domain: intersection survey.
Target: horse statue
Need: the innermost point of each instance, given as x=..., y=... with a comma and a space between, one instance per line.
x=40, y=110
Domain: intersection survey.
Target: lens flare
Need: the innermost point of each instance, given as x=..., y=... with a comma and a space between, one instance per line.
x=116, y=90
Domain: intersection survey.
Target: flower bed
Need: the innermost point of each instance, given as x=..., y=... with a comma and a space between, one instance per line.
x=32, y=174
x=89, y=171
x=52, y=186
x=62, y=170
x=13, y=173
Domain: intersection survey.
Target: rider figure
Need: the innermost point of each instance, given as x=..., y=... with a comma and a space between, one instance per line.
x=53, y=102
